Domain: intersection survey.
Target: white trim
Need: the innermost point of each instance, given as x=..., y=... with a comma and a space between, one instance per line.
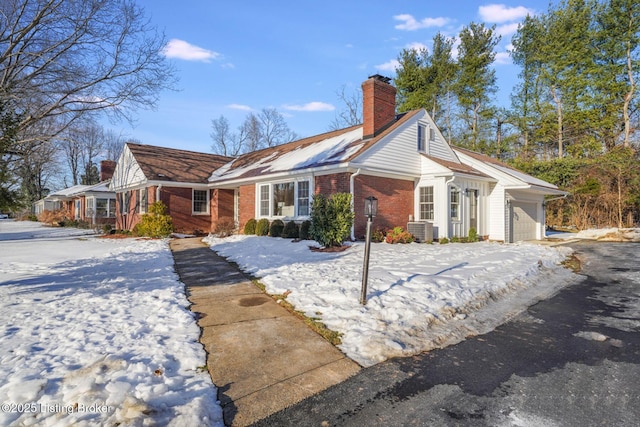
x=208, y=201
x=269, y=185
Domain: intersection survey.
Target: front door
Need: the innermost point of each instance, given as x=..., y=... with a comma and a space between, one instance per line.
x=473, y=209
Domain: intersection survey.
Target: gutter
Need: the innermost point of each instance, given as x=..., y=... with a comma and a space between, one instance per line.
x=352, y=191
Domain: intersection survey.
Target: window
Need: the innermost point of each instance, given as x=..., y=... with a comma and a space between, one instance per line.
x=143, y=197
x=77, y=209
x=105, y=208
x=455, y=203
x=283, y=200
x=124, y=201
x=426, y=203
x=89, y=208
x=422, y=138
x=432, y=134
x=200, y=201
x=303, y=198
x=264, y=200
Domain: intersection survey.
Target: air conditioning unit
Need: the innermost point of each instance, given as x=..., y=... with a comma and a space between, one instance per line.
x=422, y=230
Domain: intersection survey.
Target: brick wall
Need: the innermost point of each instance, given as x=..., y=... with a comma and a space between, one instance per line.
x=178, y=201
x=395, y=202
x=247, y=204
x=221, y=205
x=334, y=183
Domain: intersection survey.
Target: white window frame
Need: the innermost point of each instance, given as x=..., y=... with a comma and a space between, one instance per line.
x=193, y=201
x=89, y=207
x=426, y=203
x=143, y=200
x=422, y=138
x=267, y=188
x=454, y=190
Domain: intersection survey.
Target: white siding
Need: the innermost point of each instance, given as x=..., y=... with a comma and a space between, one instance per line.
x=497, y=212
x=398, y=151
x=127, y=172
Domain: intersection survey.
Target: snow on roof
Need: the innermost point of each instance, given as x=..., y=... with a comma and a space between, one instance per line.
x=531, y=180
x=334, y=149
x=67, y=192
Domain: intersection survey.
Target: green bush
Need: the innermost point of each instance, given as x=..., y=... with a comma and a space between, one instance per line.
x=444, y=241
x=276, y=228
x=473, y=235
x=262, y=227
x=250, y=227
x=398, y=235
x=290, y=230
x=331, y=219
x=155, y=223
x=305, y=227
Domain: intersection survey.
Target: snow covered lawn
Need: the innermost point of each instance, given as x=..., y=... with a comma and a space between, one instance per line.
x=96, y=332
x=420, y=296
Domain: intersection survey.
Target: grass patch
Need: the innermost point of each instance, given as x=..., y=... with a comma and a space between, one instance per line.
x=572, y=262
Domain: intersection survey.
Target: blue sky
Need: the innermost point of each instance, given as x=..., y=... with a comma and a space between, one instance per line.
x=236, y=57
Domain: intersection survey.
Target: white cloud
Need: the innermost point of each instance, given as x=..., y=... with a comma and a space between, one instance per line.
x=239, y=107
x=417, y=46
x=181, y=49
x=411, y=24
x=311, y=106
x=503, y=58
x=391, y=66
x=507, y=29
x=498, y=13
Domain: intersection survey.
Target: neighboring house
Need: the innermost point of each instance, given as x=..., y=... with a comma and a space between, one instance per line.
x=403, y=160
x=94, y=204
x=145, y=174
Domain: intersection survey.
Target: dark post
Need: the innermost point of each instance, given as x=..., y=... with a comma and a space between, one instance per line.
x=370, y=210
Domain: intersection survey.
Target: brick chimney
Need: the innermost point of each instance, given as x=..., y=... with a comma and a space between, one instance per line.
x=106, y=169
x=379, y=105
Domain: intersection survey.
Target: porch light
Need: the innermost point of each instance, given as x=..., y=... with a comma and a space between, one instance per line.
x=370, y=210
x=370, y=207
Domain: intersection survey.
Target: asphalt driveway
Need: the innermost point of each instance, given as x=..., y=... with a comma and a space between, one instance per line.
x=573, y=360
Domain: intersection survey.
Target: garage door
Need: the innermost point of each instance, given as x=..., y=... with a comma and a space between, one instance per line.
x=523, y=221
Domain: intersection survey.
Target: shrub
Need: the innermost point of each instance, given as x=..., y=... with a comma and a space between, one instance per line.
x=305, y=227
x=331, y=219
x=107, y=228
x=473, y=235
x=250, y=227
x=225, y=227
x=290, y=230
x=378, y=235
x=398, y=235
x=155, y=223
x=54, y=218
x=444, y=241
x=276, y=228
x=262, y=227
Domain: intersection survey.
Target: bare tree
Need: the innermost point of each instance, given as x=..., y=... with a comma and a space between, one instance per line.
x=250, y=135
x=65, y=59
x=225, y=142
x=113, y=144
x=351, y=114
x=275, y=130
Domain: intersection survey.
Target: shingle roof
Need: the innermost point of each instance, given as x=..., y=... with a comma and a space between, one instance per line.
x=320, y=150
x=168, y=164
x=457, y=167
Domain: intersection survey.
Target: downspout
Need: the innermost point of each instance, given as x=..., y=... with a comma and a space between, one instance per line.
x=352, y=191
x=446, y=185
x=158, y=192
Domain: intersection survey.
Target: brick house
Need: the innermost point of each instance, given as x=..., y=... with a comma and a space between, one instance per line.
x=403, y=160
x=145, y=174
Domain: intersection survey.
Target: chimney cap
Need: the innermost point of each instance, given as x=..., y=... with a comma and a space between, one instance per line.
x=381, y=78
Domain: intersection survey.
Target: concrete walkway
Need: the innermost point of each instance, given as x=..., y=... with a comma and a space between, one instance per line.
x=261, y=357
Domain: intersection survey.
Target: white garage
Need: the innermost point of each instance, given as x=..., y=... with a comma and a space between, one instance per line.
x=524, y=221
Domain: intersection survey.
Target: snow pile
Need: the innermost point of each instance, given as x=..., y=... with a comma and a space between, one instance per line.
x=96, y=332
x=419, y=296
x=611, y=234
